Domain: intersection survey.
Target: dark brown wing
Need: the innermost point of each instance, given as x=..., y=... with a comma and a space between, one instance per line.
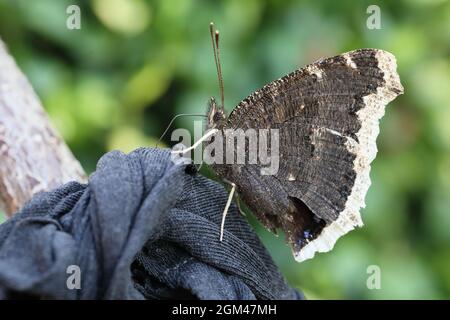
x=327, y=115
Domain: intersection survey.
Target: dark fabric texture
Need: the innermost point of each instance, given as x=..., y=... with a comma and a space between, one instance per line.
x=144, y=227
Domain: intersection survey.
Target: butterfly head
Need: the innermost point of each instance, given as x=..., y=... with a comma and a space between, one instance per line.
x=216, y=115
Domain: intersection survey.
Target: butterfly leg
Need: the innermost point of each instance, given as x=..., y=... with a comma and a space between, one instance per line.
x=200, y=166
x=238, y=202
x=199, y=141
x=227, y=206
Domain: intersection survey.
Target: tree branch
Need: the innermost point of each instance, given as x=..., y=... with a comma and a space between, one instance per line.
x=33, y=157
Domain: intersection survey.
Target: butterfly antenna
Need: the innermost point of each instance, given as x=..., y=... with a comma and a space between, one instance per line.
x=173, y=119
x=215, y=43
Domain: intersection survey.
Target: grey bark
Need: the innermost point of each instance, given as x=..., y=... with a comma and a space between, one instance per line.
x=33, y=156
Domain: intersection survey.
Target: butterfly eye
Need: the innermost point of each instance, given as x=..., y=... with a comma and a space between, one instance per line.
x=217, y=116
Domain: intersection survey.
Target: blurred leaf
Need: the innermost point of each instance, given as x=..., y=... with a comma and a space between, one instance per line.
x=127, y=139
x=123, y=16
x=147, y=85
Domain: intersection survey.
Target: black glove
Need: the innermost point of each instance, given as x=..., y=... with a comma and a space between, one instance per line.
x=143, y=227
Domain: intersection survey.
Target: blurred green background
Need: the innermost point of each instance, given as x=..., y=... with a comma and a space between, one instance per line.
x=117, y=82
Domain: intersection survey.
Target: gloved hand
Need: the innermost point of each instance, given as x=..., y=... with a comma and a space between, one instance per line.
x=143, y=227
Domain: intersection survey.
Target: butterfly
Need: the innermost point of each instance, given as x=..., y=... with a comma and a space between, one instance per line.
x=327, y=115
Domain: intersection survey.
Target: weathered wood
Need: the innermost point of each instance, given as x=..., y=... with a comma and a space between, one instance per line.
x=33, y=157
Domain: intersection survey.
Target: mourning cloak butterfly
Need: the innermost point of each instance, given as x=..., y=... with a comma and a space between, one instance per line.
x=327, y=115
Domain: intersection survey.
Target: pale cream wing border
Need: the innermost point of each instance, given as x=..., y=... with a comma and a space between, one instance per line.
x=365, y=151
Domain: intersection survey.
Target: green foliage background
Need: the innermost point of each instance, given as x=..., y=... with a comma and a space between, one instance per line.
x=117, y=82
